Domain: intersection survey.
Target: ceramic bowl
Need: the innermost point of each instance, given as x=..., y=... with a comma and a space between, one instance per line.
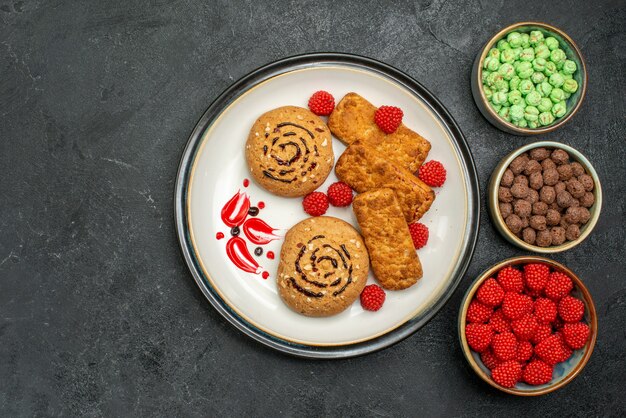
x=564, y=372
x=573, y=103
x=494, y=209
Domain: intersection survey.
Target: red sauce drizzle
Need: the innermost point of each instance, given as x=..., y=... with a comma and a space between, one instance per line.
x=246, y=182
x=265, y=275
x=270, y=255
x=261, y=205
x=219, y=235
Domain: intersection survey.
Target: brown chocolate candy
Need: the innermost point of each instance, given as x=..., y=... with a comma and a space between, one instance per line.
x=522, y=208
x=559, y=187
x=547, y=164
x=577, y=169
x=538, y=222
x=519, y=190
x=564, y=199
x=547, y=194
x=540, y=208
x=539, y=154
x=504, y=194
x=535, y=180
x=505, y=209
x=572, y=232
x=529, y=235
x=544, y=238
x=560, y=157
x=507, y=178
x=519, y=164
x=587, y=200
x=514, y=223
x=565, y=172
x=575, y=188
x=533, y=196
x=553, y=217
x=558, y=235
x=550, y=176
x=533, y=166
x=521, y=179
x=587, y=182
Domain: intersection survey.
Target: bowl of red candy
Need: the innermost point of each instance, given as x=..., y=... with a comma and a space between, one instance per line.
x=528, y=326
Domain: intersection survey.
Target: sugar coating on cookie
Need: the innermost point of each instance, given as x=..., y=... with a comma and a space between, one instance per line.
x=289, y=151
x=323, y=266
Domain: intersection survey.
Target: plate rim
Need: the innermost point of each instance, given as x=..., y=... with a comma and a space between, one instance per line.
x=286, y=65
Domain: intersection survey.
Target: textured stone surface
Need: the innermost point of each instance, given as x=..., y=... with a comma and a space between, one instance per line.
x=98, y=313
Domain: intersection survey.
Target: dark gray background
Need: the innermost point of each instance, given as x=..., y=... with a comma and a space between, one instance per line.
x=98, y=313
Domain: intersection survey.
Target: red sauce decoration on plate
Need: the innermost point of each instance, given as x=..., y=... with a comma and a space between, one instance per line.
x=261, y=205
x=259, y=232
x=270, y=255
x=237, y=251
x=235, y=210
x=219, y=235
x=265, y=275
x=246, y=182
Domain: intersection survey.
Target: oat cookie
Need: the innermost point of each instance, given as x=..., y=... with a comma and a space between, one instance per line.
x=289, y=151
x=323, y=266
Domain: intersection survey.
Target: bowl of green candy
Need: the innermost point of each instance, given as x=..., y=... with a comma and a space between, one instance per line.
x=529, y=78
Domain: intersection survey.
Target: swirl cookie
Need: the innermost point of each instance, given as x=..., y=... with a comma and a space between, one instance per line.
x=289, y=151
x=323, y=266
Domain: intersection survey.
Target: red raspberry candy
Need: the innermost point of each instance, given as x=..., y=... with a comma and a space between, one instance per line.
x=550, y=350
x=504, y=346
x=490, y=293
x=432, y=173
x=558, y=285
x=511, y=280
x=566, y=351
x=537, y=373
x=478, y=336
x=571, y=309
x=419, y=234
x=545, y=310
x=339, y=194
x=524, y=351
x=499, y=322
x=388, y=118
x=576, y=335
x=507, y=374
x=543, y=331
x=372, y=297
x=525, y=327
x=516, y=305
x=536, y=276
x=489, y=359
x=322, y=103
x=315, y=204
x=478, y=313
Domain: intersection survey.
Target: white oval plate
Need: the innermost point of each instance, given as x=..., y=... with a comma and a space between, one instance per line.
x=213, y=169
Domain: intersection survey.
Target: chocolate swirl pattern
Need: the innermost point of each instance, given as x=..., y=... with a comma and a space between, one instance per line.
x=289, y=151
x=323, y=266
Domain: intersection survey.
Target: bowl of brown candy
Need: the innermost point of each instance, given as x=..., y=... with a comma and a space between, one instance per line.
x=545, y=197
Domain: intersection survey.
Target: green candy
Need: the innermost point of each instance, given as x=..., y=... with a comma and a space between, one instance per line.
x=533, y=125
x=542, y=51
x=545, y=105
x=525, y=40
x=537, y=77
x=503, y=45
x=550, y=69
x=494, y=53
x=556, y=80
x=559, y=109
x=499, y=98
x=484, y=76
x=545, y=118
x=531, y=113
x=518, y=52
x=506, y=71
x=566, y=95
x=492, y=78
x=557, y=95
x=570, y=86
x=557, y=56
x=514, y=39
x=496, y=107
x=539, y=64
x=515, y=97
x=544, y=88
x=536, y=37
x=528, y=54
x=516, y=112
x=526, y=86
x=521, y=123
x=524, y=70
x=491, y=63
x=569, y=67
x=552, y=43
x=507, y=56
x=566, y=76
x=559, y=65
x=514, y=83
x=505, y=113
x=501, y=85
x=488, y=92
x=533, y=98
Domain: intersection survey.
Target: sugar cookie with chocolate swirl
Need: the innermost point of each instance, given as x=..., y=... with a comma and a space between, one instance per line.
x=289, y=151
x=323, y=266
